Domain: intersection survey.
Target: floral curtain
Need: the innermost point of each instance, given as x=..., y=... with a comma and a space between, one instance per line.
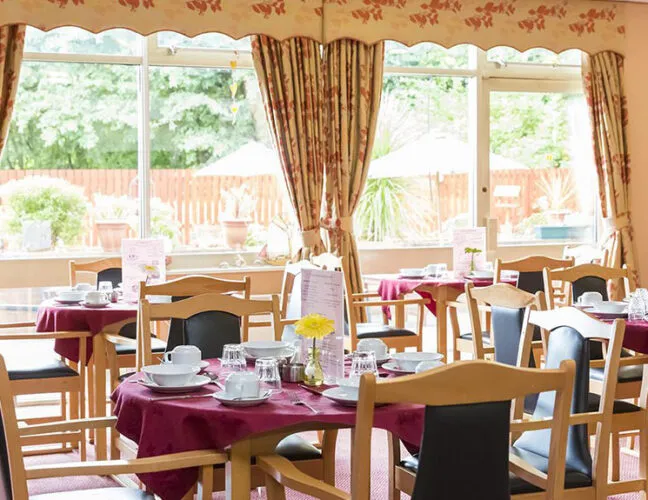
x=604, y=90
x=12, y=42
x=353, y=74
x=290, y=77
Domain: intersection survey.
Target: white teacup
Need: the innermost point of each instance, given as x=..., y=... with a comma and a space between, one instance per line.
x=377, y=346
x=95, y=297
x=243, y=385
x=184, y=355
x=84, y=287
x=590, y=299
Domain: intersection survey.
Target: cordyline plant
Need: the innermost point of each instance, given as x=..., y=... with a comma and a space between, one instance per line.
x=472, y=251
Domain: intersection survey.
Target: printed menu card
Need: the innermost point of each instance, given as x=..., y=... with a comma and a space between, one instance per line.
x=468, y=245
x=142, y=260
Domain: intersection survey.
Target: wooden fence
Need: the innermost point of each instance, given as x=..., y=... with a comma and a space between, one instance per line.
x=198, y=200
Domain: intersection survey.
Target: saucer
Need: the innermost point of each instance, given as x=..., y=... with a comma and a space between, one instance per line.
x=234, y=401
x=67, y=302
x=99, y=305
x=394, y=368
x=198, y=382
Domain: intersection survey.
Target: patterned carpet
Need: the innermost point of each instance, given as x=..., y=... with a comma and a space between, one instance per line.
x=378, y=473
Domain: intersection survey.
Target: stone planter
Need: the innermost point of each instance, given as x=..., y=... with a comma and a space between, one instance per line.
x=236, y=232
x=111, y=234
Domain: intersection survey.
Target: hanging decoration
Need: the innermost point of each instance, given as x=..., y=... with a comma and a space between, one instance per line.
x=234, y=107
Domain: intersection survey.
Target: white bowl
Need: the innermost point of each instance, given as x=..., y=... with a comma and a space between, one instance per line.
x=410, y=360
x=611, y=307
x=411, y=271
x=170, y=375
x=265, y=348
x=424, y=366
x=70, y=295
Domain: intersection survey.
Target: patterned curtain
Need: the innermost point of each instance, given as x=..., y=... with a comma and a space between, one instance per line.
x=604, y=90
x=290, y=77
x=353, y=74
x=12, y=43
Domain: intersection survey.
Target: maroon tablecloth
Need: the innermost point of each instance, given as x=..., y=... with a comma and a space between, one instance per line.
x=393, y=288
x=161, y=427
x=636, y=336
x=54, y=317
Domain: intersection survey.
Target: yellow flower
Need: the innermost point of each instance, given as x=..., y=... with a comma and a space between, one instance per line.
x=314, y=326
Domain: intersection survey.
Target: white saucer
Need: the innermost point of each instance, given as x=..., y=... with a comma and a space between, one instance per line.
x=394, y=368
x=198, y=382
x=229, y=400
x=67, y=302
x=411, y=277
x=100, y=305
x=340, y=396
x=287, y=354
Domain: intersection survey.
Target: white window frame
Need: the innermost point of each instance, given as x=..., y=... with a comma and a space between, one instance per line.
x=484, y=77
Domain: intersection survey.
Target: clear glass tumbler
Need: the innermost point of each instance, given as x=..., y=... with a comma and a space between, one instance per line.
x=233, y=359
x=267, y=369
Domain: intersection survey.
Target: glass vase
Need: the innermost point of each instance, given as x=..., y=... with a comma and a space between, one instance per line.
x=313, y=373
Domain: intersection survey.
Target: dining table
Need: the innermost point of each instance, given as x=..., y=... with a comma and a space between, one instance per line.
x=53, y=316
x=179, y=425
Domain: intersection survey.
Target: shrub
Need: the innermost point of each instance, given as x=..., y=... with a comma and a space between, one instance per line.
x=45, y=199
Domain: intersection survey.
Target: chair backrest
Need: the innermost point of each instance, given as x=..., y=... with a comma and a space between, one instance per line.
x=580, y=279
x=466, y=427
x=570, y=332
x=13, y=480
x=105, y=269
x=190, y=286
x=290, y=297
x=530, y=270
x=210, y=320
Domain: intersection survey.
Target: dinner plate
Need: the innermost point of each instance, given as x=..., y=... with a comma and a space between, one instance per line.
x=608, y=315
x=198, y=382
x=95, y=306
x=411, y=277
x=394, y=368
x=67, y=302
x=342, y=397
x=287, y=354
x=229, y=400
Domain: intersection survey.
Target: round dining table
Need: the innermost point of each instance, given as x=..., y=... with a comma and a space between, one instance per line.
x=179, y=425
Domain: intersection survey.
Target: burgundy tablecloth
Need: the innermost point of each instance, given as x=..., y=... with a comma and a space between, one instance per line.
x=161, y=427
x=636, y=336
x=53, y=317
x=393, y=288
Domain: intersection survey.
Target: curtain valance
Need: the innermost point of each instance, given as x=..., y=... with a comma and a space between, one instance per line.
x=589, y=25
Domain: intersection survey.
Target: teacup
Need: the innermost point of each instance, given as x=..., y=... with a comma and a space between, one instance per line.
x=590, y=299
x=84, y=287
x=95, y=297
x=243, y=385
x=184, y=355
x=377, y=346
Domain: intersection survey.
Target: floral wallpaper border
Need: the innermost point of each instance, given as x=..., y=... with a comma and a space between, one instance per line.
x=558, y=25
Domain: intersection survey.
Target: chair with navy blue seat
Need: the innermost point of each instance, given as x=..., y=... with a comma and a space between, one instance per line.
x=571, y=335
x=464, y=449
x=530, y=271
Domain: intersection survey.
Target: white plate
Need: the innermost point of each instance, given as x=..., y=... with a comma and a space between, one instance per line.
x=411, y=276
x=95, y=306
x=67, y=302
x=202, y=365
x=394, y=368
x=229, y=400
x=198, y=382
x=340, y=396
x=264, y=348
x=287, y=354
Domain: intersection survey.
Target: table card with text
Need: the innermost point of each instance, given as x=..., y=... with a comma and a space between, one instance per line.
x=142, y=260
x=471, y=238
x=322, y=292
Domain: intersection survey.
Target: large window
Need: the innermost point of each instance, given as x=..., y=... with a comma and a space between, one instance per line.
x=465, y=135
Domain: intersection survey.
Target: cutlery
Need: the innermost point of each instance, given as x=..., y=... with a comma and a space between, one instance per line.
x=294, y=399
x=181, y=396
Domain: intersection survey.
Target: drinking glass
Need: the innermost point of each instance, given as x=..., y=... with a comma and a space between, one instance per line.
x=363, y=362
x=267, y=369
x=105, y=286
x=233, y=359
x=441, y=270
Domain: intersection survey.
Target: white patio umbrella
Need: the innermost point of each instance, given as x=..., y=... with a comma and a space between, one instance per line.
x=249, y=160
x=431, y=155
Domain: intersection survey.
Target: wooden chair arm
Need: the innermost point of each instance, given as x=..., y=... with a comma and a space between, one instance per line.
x=365, y=295
x=285, y=473
x=286, y=322
x=44, y=335
x=68, y=426
x=119, y=339
x=25, y=324
x=585, y=418
x=115, y=328
x=259, y=324
x=527, y=472
x=393, y=302
x=137, y=466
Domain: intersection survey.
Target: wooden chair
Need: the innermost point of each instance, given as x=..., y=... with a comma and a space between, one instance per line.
x=39, y=373
x=505, y=305
x=465, y=443
x=104, y=269
x=397, y=336
x=571, y=333
x=14, y=474
x=530, y=272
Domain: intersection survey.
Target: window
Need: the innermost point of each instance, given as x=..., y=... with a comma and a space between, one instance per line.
x=78, y=41
x=535, y=56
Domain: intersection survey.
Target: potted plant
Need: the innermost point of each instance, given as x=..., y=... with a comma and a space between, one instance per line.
x=113, y=216
x=472, y=252
x=237, y=216
x=56, y=202
x=560, y=222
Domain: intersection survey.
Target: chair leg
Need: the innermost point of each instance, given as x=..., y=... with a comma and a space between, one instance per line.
x=205, y=482
x=329, y=442
x=643, y=459
x=615, y=457
x=274, y=490
x=91, y=397
x=394, y=460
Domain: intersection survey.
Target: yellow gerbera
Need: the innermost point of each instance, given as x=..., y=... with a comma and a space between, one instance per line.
x=314, y=326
